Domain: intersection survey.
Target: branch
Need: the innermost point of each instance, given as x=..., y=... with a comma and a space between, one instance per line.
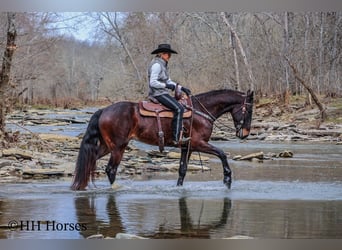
x=309, y=89
x=242, y=51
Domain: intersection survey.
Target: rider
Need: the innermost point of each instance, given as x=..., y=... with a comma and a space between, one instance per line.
x=160, y=82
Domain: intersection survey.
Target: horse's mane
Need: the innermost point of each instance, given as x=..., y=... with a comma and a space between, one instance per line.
x=218, y=91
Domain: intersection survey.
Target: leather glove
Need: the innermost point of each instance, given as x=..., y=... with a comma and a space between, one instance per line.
x=186, y=91
x=170, y=86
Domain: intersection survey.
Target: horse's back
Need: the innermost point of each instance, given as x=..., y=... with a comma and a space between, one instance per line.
x=118, y=111
x=119, y=107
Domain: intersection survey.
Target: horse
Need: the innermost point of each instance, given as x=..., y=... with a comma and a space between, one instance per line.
x=110, y=129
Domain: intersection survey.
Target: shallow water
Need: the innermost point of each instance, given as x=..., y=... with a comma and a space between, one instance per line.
x=299, y=197
x=158, y=209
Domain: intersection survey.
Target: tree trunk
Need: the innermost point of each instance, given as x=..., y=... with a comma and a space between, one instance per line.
x=286, y=45
x=321, y=53
x=237, y=74
x=6, y=66
x=249, y=69
x=307, y=66
x=116, y=32
x=312, y=93
x=333, y=72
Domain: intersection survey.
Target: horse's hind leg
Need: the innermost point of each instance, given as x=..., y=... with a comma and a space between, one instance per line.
x=113, y=164
x=111, y=170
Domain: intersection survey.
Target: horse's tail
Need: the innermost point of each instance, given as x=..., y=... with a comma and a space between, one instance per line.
x=87, y=155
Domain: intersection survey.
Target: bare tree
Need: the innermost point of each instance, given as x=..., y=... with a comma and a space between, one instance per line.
x=6, y=66
x=216, y=50
x=238, y=41
x=110, y=25
x=323, y=115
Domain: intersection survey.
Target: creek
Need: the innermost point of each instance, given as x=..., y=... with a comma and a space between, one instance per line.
x=298, y=197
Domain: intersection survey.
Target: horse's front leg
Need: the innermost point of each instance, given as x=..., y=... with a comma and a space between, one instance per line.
x=210, y=149
x=227, y=172
x=183, y=165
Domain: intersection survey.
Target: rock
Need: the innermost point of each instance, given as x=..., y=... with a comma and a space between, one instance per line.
x=193, y=157
x=128, y=236
x=256, y=160
x=58, y=138
x=42, y=171
x=259, y=155
x=18, y=153
x=96, y=237
x=4, y=173
x=173, y=167
x=154, y=153
x=5, y=163
x=192, y=167
x=240, y=237
x=48, y=162
x=285, y=154
x=68, y=168
x=237, y=157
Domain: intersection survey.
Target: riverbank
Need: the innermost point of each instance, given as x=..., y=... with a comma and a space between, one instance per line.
x=44, y=144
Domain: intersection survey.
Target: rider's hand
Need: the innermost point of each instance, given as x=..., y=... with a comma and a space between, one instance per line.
x=186, y=91
x=170, y=86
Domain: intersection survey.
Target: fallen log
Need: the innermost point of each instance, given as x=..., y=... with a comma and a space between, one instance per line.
x=259, y=155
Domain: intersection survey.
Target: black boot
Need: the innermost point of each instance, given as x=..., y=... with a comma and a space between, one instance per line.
x=182, y=140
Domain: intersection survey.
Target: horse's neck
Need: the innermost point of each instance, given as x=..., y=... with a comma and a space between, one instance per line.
x=220, y=103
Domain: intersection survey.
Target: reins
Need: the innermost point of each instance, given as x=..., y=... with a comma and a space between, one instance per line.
x=209, y=116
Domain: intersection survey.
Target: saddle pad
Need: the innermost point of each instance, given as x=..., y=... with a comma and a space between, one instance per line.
x=147, y=108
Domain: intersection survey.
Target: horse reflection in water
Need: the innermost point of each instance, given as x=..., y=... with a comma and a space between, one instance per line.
x=166, y=224
x=110, y=130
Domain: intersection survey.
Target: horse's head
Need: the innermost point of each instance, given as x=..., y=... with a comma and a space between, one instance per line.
x=242, y=115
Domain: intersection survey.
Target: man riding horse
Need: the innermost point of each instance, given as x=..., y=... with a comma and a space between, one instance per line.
x=160, y=82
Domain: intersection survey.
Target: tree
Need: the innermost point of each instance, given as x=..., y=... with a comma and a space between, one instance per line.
x=238, y=41
x=110, y=23
x=6, y=66
x=321, y=108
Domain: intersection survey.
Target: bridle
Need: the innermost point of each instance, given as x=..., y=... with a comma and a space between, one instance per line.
x=244, y=111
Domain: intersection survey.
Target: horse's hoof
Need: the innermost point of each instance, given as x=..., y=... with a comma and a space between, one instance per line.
x=227, y=181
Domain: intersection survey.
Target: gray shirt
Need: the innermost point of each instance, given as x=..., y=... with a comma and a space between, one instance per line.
x=158, y=76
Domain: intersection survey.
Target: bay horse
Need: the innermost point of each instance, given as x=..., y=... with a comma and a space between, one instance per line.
x=110, y=129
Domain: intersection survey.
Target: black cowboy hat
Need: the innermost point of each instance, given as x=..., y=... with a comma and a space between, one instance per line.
x=164, y=48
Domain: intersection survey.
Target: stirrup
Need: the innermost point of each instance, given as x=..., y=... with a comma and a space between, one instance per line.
x=182, y=141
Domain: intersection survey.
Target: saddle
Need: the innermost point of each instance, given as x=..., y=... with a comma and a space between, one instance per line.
x=153, y=109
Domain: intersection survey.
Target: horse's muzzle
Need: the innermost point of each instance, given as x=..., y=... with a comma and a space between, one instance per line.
x=242, y=133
